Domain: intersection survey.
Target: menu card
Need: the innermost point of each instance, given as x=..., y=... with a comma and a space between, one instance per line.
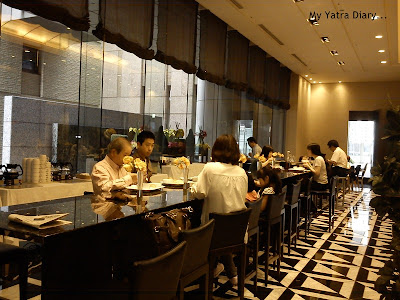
x=41, y=221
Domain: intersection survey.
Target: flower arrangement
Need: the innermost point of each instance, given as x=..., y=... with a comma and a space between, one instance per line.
x=135, y=130
x=242, y=158
x=204, y=146
x=139, y=164
x=181, y=162
x=202, y=134
x=127, y=160
x=278, y=154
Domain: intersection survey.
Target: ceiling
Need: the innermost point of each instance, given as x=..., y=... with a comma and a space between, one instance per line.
x=353, y=38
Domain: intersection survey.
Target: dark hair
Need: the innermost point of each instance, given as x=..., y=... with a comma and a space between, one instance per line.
x=118, y=144
x=266, y=150
x=315, y=149
x=144, y=135
x=274, y=178
x=252, y=140
x=333, y=143
x=226, y=150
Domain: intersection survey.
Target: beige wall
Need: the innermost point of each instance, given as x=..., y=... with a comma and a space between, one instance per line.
x=320, y=112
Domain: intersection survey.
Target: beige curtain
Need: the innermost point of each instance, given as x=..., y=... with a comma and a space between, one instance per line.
x=176, y=40
x=236, y=61
x=72, y=13
x=212, y=48
x=128, y=24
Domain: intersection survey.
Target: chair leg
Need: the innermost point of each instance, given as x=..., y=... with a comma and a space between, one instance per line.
x=289, y=229
x=242, y=273
x=267, y=254
x=181, y=290
x=255, y=261
x=23, y=279
x=204, y=286
x=296, y=227
x=211, y=262
x=279, y=243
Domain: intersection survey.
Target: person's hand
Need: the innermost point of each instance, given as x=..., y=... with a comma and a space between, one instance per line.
x=134, y=178
x=307, y=165
x=250, y=154
x=257, y=183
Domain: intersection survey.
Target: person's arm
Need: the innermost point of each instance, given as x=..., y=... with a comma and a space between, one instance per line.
x=264, y=202
x=101, y=178
x=334, y=159
x=200, y=189
x=316, y=170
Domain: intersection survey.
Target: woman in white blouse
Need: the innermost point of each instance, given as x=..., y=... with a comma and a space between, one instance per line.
x=318, y=168
x=223, y=186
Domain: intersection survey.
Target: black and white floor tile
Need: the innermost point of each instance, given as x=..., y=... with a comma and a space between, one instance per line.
x=341, y=264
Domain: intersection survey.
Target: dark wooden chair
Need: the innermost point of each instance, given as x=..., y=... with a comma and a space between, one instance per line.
x=228, y=238
x=254, y=238
x=10, y=254
x=292, y=215
x=272, y=223
x=360, y=177
x=305, y=199
x=195, y=264
x=157, y=278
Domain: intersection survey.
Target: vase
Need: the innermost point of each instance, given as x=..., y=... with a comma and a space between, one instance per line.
x=140, y=179
x=185, y=177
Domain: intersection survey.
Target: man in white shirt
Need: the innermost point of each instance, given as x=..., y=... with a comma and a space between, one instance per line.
x=256, y=149
x=338, y=159
x=109, y=176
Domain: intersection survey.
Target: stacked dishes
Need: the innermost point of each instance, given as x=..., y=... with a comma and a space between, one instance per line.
x=36, y=170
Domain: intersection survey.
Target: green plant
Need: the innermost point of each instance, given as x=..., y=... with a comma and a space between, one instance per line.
x=386, y=183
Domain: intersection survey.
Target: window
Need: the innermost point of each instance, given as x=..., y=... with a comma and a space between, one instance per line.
x=30, y=60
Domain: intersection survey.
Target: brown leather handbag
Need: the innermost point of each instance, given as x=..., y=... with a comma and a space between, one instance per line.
x=166, y=226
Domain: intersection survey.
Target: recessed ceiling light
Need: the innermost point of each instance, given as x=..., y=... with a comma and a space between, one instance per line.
x=12, y=56
x=381, y=51
x=313, y=21
x=68, y=28
x=30, y=60
x=306, y=75
x=315, y=82
x=340, y=81
x=334, y=52
x=325, y=39
x=27, y=51
x=320, y=82
x=44, y=63
x=310, y=78
x=379, y=36
x=383, y=62
x=340, y=63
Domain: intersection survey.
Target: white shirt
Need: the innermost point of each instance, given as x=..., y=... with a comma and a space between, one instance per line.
x=340, y=157
x=256, y=150
x=107, y=176
x=223, y=188
x=323, y=176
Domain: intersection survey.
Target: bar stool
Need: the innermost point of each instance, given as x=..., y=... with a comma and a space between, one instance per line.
x=228, y=238
x=195, y=264
x=305, y=198
x=254, y=237
x=342, y=182
x=10, y=254
x=293, y=205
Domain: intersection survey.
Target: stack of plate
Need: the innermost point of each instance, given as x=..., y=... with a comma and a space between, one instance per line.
x=35, y=170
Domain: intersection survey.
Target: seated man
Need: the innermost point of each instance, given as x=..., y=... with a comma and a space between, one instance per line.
x=256, y=149
x=145, y=146
x=109, y=176
x=338, y=159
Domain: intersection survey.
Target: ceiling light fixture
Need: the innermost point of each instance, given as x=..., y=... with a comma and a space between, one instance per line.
x=313, y=21
x=295, y=1
x=310, y=78
x=340, y=81
x=334, y=52
x=315, y=82
x=320, y=82
x=306, y=75
x=325, y=39
x=383, y=62
x=379, y=36
x=27, y=51
x=340, y=63
x=381, y=51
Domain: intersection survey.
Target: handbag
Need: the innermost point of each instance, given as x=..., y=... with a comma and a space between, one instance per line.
x=166, y=226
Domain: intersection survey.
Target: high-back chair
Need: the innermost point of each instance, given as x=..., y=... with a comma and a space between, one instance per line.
x=157, y=278
x=254, y=237
x=292, y=214
x=228, y=238
x=360, y=177
x=195, y=264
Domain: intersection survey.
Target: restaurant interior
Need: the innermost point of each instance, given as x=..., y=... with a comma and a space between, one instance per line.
x=236, y=100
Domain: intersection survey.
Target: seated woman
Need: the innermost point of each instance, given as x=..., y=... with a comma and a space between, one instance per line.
x=318, y=168
x=223, y=186
x=267, y=151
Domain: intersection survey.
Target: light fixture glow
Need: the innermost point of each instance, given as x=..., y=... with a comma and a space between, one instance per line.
x=310, y=78
x=325, y=39
x=379, y=36
x=340, y=81
x=319, y=82
x=381, y=51
x=334, y=52
x=340, y=63
x=315, y=82
x=306, y=75
x=383, y=62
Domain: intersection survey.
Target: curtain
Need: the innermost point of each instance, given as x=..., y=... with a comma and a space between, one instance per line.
x=72, y=13
x=256, y=72
x=176, y=40
x=212, y=48
x=272, y=81
x=284, y=87
x=236, y=63
x=128, y=24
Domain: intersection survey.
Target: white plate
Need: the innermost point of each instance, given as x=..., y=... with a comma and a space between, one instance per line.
x=172, y=182
x=147, y=187
x=297, y=169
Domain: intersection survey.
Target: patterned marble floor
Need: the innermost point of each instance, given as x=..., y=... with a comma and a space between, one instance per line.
x=341, y=264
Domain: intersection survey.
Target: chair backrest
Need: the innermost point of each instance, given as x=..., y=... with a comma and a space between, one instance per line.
x=363, y=171
x=229, y=229
x=255, y=212
x=157, y=278
x=198, y=243
x=308, y=192
x=275, y=205
x=295, y=193
x=357, y=170
x=334, y=181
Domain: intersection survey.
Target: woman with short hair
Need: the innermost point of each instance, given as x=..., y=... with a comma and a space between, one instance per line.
x=318, y=168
